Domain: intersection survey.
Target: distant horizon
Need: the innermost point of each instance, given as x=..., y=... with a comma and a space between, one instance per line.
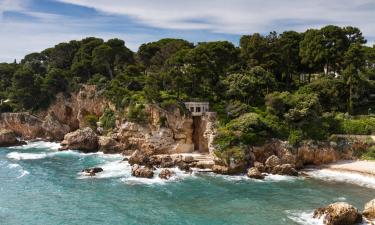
x=33, y=25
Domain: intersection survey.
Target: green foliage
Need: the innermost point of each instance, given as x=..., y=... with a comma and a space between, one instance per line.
x=137, y=113
x=108, y=120
x=90, y=121
x=359, y=126
x=369, y=154
x=295, y=137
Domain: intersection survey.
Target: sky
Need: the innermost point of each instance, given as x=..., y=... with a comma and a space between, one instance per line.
x=28, y=26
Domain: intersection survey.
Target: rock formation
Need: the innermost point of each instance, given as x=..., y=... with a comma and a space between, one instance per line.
x=254, y=173
x=9, y=138
x=142, y=171
x=166, y=174
x=339, y=213
x=84, y=140
x=92, y=171
x=369, y=211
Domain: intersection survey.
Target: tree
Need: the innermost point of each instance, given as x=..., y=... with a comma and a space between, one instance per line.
x=312, y=50
x=354, y=61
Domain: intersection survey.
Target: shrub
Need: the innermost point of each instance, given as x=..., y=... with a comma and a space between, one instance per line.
x=369, y=154
x=359, y=126
x=90, y=121
x=295, y=137
x=108, y=119
x=237, y=153
x=137, y=113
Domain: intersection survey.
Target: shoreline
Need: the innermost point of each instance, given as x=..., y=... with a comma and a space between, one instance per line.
x=363, y=167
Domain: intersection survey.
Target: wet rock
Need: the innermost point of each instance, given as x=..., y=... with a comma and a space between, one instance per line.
x=339, y=213
x=92, y=171
x=144, y=172
x=84, y=140
x=166, y=174
x=9, y=138
x=183, y=166
x=285, y=169
x=254, y=173
x=138, y=157
x=369, y=211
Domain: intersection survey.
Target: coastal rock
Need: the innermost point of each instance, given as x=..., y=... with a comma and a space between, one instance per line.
x=317, y=153
x=273, y=161
x=53, y=129
x=205, y=164
x=369, y=211
x=110, y=145
x=139, y=171
x=339, y=213
x=260, y=166
x=92, y=171
x=9, y=138
x=84, y=140
x=166, y=174
x=220, y=169
x=254, y=173
x=285, y=169
x=138, y=157
x=24, y=124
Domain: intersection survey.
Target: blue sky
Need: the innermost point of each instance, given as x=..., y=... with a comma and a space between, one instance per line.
x=32, y=25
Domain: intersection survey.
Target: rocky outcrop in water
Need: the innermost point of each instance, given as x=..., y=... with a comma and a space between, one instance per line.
x=84, y=140
x=166, y=174
x=339, y=213
x=9, y=138
x=142, y=171
x=92, y=171
x=255, y=173
x=369, y=211
x=110, y=145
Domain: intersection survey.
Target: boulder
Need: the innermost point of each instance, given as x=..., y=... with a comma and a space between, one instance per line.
x=138, y=157
x=273, y=161
x=369, y=211
x=260, y=166
x=183, y=166
x=84, y=140
x=339, y=213
x=204, y=164
x=92, y=171
x=110, y=145
x=9, y=138
x=166, y=174
x=285, y=169
x=254, y=173
x=139, y=171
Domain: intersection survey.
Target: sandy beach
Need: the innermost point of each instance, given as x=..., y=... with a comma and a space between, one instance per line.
x=354, y=166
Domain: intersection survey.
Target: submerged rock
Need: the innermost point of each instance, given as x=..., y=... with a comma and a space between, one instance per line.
x=254, y=173
x=139, y=171
x=92, y=171
x=369, y=211
x=9, y=138
x=84, y=140
x=166, y=174
x=339, y=213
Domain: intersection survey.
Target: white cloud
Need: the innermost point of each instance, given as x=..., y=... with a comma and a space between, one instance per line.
x=240, y=16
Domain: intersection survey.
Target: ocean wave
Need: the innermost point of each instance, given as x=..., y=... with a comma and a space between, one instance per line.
x=26, y=156
x=19, y=169
x=340, y=176
x=39, y=145
x=268, y=178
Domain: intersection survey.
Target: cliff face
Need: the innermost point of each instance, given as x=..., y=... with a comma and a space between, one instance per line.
x=64, y=115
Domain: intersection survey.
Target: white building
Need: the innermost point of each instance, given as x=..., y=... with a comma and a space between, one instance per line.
x=197, y=108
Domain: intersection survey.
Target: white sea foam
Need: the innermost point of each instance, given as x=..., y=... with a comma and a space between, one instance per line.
x=303, y=217
x=26, y=156
x=339, y=176
x=39, y=144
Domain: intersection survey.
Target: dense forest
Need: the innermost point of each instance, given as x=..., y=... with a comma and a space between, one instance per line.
x=292, y=85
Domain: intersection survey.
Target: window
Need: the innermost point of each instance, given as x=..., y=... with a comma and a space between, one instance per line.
x=191, y=109
x=198, y=109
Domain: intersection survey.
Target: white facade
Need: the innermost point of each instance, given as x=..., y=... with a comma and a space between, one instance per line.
x=197, y=108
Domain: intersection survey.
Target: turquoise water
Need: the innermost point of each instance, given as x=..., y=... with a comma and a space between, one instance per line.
x=39, y=185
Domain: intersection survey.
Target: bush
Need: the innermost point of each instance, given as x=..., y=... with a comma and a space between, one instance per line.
x=237, y=153
x=295, y=137
x=369, y=154
x=108, y=119
x=90, y=121
x=358, y=126
x=137, y=113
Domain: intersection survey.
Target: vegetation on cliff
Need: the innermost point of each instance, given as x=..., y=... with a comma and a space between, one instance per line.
x=292, y=86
